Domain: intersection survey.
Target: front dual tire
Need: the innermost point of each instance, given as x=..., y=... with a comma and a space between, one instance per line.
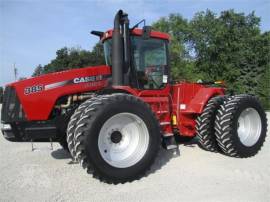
x=117, y=138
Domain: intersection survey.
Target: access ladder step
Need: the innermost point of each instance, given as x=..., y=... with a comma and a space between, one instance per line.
x=169, y=143
x=165, y=123
x=162, y=112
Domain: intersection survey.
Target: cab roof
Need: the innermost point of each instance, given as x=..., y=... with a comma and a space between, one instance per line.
x=138, y=32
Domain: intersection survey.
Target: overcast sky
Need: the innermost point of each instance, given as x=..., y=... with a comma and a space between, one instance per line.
x=32, y=30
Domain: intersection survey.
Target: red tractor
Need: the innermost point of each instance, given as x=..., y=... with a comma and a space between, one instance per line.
x=114, y=118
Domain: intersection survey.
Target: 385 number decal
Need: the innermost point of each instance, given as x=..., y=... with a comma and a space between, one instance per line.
x=33, y=89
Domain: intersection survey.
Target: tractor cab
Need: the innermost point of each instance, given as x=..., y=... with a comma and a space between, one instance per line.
x=149, y=61
x=142, y=59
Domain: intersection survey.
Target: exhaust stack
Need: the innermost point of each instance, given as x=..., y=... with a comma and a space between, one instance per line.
x=117, y=51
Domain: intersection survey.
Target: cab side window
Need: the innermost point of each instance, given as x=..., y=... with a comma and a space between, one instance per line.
x=150, y=61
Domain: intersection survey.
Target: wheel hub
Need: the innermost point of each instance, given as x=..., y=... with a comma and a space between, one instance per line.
x=123, y=140
x=116, y=137
x=249, y=127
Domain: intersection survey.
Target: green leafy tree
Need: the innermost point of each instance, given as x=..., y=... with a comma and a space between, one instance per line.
x=70, y=58
x=231, y=48
x=181, y=62
x=263, y=87
x=38, y=70
x=22, y=78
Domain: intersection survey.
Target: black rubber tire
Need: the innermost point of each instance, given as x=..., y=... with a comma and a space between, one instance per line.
x=226, y=126
x=72, y=125
x=205, y=124
x=87, y=133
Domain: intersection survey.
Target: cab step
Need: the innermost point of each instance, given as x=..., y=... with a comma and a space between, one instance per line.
x=33, y=148
x=169, y=143
x=165, y=123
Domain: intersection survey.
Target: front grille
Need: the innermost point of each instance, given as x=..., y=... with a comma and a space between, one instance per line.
x=12, y=109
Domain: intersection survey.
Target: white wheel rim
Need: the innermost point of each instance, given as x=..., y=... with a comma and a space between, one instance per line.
x=249, y=127
x=132, y=145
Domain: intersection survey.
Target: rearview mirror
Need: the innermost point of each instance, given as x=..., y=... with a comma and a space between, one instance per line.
x=146, y=32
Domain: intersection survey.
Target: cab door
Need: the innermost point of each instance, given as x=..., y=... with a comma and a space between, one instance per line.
x=150, y=62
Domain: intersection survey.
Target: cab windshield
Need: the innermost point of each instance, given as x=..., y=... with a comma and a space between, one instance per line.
x=149, y=59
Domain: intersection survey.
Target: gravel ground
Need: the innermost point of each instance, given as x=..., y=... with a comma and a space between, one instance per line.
x=194, y=175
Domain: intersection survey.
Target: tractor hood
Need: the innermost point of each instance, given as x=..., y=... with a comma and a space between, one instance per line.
x=46, y=89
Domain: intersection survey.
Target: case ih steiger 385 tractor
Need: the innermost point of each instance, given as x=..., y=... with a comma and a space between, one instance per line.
x=114, y=118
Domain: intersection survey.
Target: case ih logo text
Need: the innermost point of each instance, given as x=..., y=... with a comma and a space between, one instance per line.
x=87, y=79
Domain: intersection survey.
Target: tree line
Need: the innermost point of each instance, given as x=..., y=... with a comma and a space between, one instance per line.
x=229, y=46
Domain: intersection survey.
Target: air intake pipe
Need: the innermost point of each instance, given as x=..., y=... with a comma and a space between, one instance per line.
x=117, y=51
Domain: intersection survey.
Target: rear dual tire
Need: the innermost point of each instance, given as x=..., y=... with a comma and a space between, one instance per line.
x=240, y=126
x=205, y=124
x=235, y=125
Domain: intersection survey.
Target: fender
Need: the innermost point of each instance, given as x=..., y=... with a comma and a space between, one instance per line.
x=201, y=98
x=189, y=100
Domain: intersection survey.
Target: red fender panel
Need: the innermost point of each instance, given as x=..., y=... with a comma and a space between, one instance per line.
x=38, y=95
x=201, y=98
